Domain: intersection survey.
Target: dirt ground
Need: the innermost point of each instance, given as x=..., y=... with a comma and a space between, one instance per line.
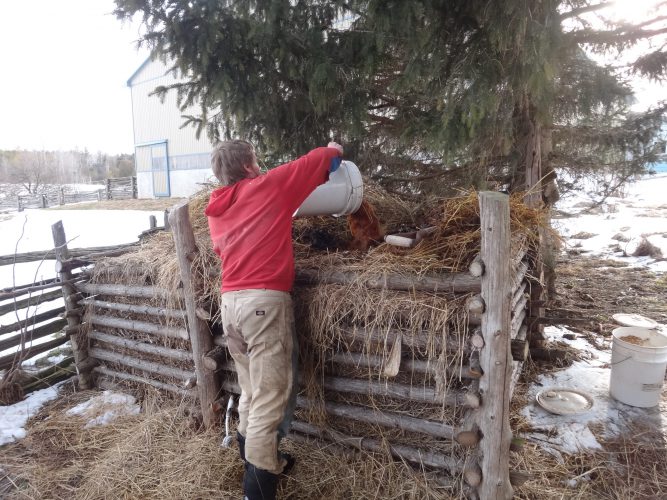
x=591, y=290
x=155, y=455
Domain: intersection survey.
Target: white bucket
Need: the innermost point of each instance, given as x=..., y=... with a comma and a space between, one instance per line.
x=340, y=195
x=638, y=371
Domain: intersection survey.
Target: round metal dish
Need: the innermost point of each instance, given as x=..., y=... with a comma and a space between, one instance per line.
x=634, y=320
x=564, y=401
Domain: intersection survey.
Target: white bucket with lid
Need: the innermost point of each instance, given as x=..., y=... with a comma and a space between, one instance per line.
x=340, y=195
x=638, y=363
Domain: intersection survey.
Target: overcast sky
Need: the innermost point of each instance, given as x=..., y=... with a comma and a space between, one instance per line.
x=65, y=65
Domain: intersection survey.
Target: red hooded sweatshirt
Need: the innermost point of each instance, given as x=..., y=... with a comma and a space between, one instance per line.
x=251, y=222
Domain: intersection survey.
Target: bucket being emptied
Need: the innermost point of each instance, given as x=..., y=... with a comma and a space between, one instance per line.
x=638, y=363
x=342, y=194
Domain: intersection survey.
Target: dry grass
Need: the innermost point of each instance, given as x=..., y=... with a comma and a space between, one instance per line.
x=159, y=454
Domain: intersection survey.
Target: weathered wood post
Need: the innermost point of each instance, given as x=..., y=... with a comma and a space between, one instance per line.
x=200, y=334
x=133, y=184
x=167, y=227
x=152, y=221
x=78, y=339
x=108, y=189
x=45, y=202
x=99, y=195
x=18, y=204
x=495, y=356
x=61, y=196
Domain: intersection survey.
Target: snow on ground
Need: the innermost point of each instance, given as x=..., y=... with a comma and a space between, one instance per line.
x=640, y=212
x=14, y=417
x=572, y=433
x=618, y=226
x=106, y=407
x=30, y=231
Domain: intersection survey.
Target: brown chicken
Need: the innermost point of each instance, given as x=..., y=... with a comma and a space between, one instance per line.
x=365, y=227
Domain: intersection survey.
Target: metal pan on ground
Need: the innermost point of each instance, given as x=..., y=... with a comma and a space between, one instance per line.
x=636, y=320
x=564, y=401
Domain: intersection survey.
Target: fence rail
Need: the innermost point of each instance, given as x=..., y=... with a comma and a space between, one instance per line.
x=121, y=188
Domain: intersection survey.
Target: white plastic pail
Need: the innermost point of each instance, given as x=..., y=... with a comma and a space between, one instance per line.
x=638, y=371
x=340, y=195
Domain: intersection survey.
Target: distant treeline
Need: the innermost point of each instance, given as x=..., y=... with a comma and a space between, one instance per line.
x=34, y=169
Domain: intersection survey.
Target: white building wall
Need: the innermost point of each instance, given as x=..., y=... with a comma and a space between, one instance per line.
x=156, y=122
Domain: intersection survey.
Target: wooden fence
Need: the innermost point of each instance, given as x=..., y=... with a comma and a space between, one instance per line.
x=179, y=350
x=121, y=188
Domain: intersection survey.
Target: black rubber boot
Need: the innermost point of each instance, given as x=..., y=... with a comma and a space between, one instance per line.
x=259, y=484
x=290, y=461
x=240, y=439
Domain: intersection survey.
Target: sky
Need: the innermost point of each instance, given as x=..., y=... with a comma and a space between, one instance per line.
x=65, y=65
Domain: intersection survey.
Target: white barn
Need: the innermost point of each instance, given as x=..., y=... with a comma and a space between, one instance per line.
x=169, y=160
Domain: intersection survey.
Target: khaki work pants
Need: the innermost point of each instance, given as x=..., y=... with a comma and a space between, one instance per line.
x=259, y=325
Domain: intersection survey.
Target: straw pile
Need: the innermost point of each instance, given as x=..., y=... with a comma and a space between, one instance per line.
x=159, y=454
x=325, y=312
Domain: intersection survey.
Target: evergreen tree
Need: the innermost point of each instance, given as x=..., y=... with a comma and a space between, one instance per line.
x=425, y=94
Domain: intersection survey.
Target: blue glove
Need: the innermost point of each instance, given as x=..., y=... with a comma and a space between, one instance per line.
x=335, y=163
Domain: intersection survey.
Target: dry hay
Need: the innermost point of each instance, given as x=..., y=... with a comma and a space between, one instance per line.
x=160, y=454
x=629, y=467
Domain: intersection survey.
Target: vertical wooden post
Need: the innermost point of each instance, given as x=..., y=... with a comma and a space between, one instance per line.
x=152, y=221
x=133, y=184
x=495, y=357
x=18, y=203
x=61, y=196
x=45, y=202
x=200, y=334
x=79, y=341
x=99, y=195
x=167, y=226
x=108, y=189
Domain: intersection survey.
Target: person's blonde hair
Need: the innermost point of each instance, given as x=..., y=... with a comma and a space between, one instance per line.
x=228, y=159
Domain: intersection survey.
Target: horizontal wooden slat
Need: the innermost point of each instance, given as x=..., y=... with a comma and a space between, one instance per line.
x=37, y=318
x=7, y=360
x=108, y=372
x=123, y=290
x=33, y=333
x=30, y=301
x=448, y=283
x=139, y=326
x=135, y=308
x=141, y=346
x=139, y=364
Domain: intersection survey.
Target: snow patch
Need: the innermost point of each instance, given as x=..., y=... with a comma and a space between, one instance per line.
x=105, y=408
x=14, y=417
x=572, y=433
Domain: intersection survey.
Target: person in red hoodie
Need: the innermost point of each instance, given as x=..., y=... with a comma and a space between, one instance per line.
x=250, y=221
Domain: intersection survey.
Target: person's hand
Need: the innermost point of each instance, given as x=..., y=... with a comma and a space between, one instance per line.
x=337, y=146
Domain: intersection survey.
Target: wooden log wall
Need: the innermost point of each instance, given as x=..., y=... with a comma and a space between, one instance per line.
x=498, y=310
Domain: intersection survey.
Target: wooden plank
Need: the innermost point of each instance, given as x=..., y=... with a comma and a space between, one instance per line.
x=140, y=364
x=144, y=347
x=139, y=326
x=123, y=290
x=33, y=334
x=419, y=393
x=30, y=301
x=447, y=283
x=32, y=320
x=164, y=312
x=78, y=341
x=414, y=455
x=201, y=338
x=8, y=360
x=108, y=372
x=378, y=417
x=495, y=356
x=103, y=251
